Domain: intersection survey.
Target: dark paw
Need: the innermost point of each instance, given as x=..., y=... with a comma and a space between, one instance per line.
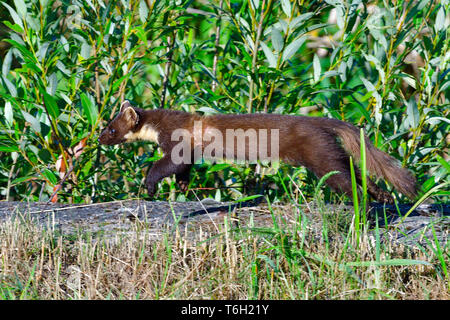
x=184, y=185
x=385, y=197
x=151, y=190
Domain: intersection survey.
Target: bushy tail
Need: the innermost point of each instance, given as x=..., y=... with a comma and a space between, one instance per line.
x=377, y=162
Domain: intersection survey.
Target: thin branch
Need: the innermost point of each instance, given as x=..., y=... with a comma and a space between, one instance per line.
x=170, y=47
x=60, y=184
x=11, y=172
x=216, y=44
x=255, y=55
x=202, y=12
x=97, y=81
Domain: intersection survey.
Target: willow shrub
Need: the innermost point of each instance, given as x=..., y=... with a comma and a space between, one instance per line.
x=383, y=66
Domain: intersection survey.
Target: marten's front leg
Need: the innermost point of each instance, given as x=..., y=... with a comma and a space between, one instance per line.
x=183, y=178
x=161, y=169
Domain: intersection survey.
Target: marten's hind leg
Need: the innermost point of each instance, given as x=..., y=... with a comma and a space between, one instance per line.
x=334, y=158
x=321, y=154
x=373, y=190
x=377, y=193
x=340, y=182
x=327, y=158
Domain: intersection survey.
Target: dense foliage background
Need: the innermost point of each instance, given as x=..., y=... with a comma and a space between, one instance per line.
x=66, y=65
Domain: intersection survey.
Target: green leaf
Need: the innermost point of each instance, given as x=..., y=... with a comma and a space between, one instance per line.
x=388, y=262
x=355, y=197
x=254, y=4
x=51, y=105
x=119, y=81
x=269, y=55
x=22, y=179
x=8, y=113
x=300, y=19
x=143, y=11
x=378, y=100
x=87, y=167
x=363, y=110
x=292, y=48
x=277, y=39
x=331, y=73
x=21, y=8
x=343, y=71
x=25, y=52
x=408, y=79
x=440, y=20
x=9, y=148
x=207, y=110
x=85, y=50
x=436, y=120
x=142, y=35
x=248, y=198
x=377, y=64
x=413, y=116
x=340, y=16
x=14, y=26
x=11, y=87
x=317, y=68
x=50, y=176
x=444, y=163
x=323, y=179
x=45, y=155
x=14, y=15
x=269, y=261
x=286, y=6
x=218, y=167
x=90, y=109
x=369, y=85
x=7, y=63
x=35, y=124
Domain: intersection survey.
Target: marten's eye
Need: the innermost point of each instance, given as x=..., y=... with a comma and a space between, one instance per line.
x=112, y=131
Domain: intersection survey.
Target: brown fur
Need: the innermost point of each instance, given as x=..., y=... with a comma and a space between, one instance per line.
x=308, y=141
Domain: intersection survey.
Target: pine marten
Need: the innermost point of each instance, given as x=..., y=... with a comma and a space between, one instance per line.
x=320, y=144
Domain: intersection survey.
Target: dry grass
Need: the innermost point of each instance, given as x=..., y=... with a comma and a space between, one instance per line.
x=280, y=262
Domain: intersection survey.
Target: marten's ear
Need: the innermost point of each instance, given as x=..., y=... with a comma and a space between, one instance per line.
x=125, y=104
x=130, y=115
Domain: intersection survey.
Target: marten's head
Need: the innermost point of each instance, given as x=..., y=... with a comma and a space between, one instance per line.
x=122, y=125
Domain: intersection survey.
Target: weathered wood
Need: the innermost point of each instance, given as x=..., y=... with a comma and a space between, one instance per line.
x=426, y=223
